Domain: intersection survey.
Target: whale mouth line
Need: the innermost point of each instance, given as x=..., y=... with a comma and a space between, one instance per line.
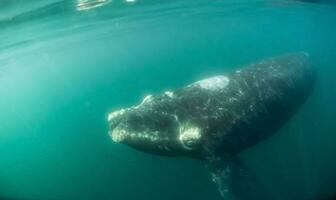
x=119, y=135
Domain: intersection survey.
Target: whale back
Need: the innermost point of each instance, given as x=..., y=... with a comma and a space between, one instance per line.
x=258, y=100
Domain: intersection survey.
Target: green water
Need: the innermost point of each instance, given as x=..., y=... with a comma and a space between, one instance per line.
x=64, y=66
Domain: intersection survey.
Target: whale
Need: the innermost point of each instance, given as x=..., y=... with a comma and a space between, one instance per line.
x=215, y=119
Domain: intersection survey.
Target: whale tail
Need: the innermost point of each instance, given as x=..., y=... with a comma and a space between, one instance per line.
x=235, y=181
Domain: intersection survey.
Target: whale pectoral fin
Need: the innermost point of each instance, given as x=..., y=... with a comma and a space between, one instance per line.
x=234, y=180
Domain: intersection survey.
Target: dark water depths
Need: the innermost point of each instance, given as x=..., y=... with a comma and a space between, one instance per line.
x=65, y=64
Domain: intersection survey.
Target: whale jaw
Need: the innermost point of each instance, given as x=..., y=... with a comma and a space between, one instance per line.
x=153, y=130
x=176, y=139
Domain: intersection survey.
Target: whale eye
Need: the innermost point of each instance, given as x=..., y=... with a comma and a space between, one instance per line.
x=189, y=136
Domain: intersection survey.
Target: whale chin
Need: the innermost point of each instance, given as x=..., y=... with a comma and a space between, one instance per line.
x=148, y=142
x=120, y=135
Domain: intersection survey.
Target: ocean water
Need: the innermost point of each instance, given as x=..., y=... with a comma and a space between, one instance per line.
x=64, y=65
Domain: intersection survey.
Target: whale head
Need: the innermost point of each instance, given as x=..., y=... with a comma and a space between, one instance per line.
x=155, y=127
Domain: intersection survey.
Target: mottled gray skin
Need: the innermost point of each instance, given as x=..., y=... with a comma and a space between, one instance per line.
x=217, y=118
x=258, y=99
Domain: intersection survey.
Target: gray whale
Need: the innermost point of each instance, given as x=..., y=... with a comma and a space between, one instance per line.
x=216, y=118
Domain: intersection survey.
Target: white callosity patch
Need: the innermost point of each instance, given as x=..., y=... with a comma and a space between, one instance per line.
x=169, y=94
x=213, y=83
x=115, y=114
x=189, y=136
x=147, y=99
x=118, y=135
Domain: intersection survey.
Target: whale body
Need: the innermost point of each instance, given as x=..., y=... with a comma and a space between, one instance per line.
x=216, y=118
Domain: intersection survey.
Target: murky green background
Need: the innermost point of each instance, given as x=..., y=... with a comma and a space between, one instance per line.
x=65, y=64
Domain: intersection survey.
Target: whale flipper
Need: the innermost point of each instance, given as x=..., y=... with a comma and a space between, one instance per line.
x=234, y=180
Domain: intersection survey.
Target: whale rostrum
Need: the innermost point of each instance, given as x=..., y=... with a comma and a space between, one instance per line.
x=216, y=118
